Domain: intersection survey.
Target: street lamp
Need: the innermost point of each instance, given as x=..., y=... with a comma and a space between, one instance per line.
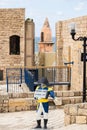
x=84, y=39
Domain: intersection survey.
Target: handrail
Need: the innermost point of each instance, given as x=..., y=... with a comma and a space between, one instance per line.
x=37, y=67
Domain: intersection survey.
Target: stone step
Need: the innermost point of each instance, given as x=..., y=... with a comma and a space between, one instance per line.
x=68, y=93
x=57, y=93
x=25, y=101
x=69, y=97
x=67, y=100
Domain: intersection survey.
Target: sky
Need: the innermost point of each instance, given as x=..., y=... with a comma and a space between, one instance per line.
x=54, y=10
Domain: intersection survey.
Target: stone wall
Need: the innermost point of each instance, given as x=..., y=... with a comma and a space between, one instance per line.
x=11, y=102
x=12, y=22
x=69, y=50
x=17, y=102
x=68, y=97
x=75, y=114
x=44, y=59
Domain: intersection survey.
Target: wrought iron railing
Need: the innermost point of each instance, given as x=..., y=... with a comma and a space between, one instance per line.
x=56, y=75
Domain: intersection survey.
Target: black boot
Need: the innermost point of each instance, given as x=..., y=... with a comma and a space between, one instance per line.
x=38, y=124
x=45, y=123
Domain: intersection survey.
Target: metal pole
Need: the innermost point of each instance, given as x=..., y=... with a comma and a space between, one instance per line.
x=20, y=75
x=7, y=83
x=84, y=70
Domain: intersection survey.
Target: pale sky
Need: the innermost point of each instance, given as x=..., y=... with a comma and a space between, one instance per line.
x=55, y=10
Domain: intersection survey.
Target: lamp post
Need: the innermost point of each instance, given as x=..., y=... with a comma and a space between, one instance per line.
x=84, y=39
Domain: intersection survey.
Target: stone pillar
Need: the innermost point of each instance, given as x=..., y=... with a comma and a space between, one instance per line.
x=59, y=51
x=59, y=43
x=29, y=42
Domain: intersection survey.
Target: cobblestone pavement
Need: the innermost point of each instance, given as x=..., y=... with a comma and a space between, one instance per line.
x=26, y=120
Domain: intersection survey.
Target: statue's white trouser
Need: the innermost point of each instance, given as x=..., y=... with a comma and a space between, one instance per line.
x=39, y=111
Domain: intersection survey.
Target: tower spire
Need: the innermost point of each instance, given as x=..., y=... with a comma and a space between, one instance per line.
x=46, y=44
x=46, y=23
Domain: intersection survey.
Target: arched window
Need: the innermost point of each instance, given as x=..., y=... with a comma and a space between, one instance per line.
x=42, y=36
x=14, y=45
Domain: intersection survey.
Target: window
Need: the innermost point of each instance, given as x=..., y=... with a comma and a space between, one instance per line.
x=1, y=75
x=42, y=36
x=48, y=44
x=14, y=45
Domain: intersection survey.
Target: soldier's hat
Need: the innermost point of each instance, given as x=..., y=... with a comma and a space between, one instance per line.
x=43, y=80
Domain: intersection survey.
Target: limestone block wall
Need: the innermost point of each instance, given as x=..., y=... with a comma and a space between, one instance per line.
x=11, y=102
x=12, y=22
x=44, y=58
x=69, y=50
x=68, y=97
x=75, y=114
x=17, y=102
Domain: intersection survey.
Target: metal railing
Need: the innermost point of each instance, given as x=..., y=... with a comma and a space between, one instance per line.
x=14, y=78
x=56, y=75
